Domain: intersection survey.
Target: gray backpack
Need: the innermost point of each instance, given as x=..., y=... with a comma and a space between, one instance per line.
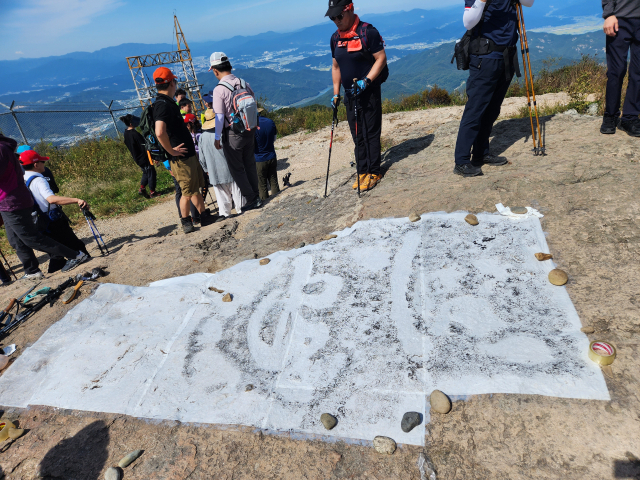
x=245, y=108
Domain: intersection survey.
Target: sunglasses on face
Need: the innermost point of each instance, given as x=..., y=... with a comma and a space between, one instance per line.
x=338, y=18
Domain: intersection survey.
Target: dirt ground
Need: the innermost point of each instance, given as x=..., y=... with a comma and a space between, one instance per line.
x=587, y=187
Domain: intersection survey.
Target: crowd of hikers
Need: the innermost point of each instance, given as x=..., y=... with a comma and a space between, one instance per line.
x=229, y=147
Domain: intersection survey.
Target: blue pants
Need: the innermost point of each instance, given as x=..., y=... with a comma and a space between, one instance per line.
x=486, y=88
x=628, y=38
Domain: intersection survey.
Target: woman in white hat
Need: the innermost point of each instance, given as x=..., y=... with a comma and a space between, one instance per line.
x=227, y=191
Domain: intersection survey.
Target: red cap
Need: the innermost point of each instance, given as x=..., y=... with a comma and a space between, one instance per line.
x=190, y=118
x=163, y=75
x=30, y=157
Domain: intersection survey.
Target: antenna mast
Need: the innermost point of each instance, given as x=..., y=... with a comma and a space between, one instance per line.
x=187, y=79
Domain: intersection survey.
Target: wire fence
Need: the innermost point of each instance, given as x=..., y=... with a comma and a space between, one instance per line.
x=64, y=124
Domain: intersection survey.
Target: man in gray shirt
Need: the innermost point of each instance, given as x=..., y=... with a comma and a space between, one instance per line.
x=622, y=26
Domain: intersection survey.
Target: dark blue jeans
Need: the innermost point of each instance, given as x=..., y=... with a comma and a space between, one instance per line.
x=628, y=38
x=486, y=88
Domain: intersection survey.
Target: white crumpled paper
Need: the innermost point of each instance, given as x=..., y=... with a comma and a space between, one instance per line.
x=506, y=211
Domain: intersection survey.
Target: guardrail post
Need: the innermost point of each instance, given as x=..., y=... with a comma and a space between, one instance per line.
x=115, y=125
x=15, y=117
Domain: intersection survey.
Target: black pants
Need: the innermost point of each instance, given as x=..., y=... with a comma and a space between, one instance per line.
x=628, y=38
x=486, y=89
x=195, y=215
x=61, y=232
x=149, y=177
x=268, y=172
x=241, y=159
x=367, y=142
x=24, y=237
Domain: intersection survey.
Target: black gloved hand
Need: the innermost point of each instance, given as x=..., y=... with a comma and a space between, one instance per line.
x=335, y=103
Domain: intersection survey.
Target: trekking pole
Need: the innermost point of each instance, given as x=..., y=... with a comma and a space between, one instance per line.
x=355, y=99
x=334, y=122
x=524, y=44
x=8, y=265
x=90, y=218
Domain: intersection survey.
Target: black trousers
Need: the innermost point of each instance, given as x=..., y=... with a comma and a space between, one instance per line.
x=367, y=141
x=628, y=38
x=195, y=215
x=241, y=159
x=486, y=89
x=24, y=237
x=268, y=172
x=61, y=232
x=149, y=177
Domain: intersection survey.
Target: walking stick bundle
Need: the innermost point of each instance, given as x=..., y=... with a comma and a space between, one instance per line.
x=536, y=133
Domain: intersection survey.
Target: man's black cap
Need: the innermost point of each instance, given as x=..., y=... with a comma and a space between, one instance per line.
x=336, y=7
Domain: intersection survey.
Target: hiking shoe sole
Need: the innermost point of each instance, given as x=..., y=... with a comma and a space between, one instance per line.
x=608, y=131
x=74, y=262
x=629, y=132
x=468, y=175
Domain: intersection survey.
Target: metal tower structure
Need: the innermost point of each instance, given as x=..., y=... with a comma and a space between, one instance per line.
x=187, y=78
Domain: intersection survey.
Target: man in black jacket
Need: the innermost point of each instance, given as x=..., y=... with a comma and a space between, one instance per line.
x=494, y=61
x=358, y=53
x=136, y=145
x=622, y=26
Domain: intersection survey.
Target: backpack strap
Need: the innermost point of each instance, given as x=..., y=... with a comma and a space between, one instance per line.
x=227, y=85
x=362, y=33
x=28, y=183
x=243, y=84
x=334, y=39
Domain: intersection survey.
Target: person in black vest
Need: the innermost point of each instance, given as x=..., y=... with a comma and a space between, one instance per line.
x=358, y=52
x=622, y=26
x=136, y=145
x=494, y=61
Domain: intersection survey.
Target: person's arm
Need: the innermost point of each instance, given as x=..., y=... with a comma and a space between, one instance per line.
x=473, y=14
x=336, y=77
x=381, y=62
x=219, y=128
x=163, y=138
x=56, y=200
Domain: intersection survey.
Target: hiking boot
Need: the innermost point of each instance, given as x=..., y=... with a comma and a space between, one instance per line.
x=32, y=276
x=187, y=225
x=370, y=182
x=74, y=262
x=154, y=194
x=363, y=177
x=609, y=125
x=253, y=205
x=493, y=160
x=467, y=170
x=207, y=218
x=143, y=192
x=632, y=127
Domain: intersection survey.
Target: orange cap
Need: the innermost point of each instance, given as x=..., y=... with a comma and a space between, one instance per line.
x=163, y=75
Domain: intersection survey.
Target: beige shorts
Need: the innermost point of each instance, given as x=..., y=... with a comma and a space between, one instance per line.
x=188, y=173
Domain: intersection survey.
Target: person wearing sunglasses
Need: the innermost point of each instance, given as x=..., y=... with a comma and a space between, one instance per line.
x=358, y=53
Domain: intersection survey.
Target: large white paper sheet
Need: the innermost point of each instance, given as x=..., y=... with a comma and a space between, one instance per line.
x=364, y=327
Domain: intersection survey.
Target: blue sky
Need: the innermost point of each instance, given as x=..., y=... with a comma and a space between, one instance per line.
x=39, y=28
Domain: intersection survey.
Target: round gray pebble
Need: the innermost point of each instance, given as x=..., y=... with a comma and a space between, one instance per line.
x=519, y=210
x=410, y=420
x=112, y=474
x=384, y=445
x=328, y=420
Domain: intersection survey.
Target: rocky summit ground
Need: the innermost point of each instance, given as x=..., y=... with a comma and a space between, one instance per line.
x=587, y=186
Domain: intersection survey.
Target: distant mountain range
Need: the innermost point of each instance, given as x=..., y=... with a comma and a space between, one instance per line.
x=293, y=68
